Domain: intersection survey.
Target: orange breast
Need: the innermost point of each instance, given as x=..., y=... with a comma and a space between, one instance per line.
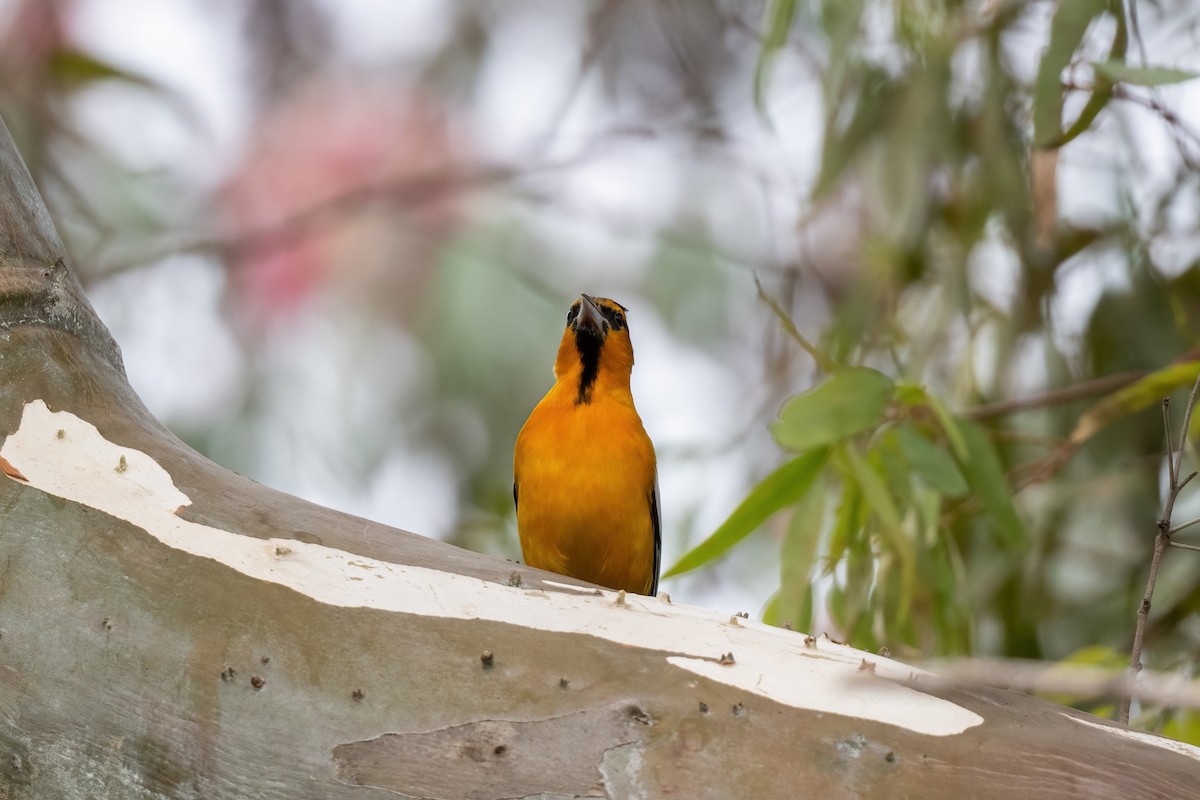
x=585, y=475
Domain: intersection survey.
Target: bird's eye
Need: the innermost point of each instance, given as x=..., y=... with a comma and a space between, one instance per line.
x=572, y=313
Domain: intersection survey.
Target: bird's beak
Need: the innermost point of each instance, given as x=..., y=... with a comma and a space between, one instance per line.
x=589, y=316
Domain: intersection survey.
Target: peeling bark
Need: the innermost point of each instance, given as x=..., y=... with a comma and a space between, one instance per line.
x=169, y=629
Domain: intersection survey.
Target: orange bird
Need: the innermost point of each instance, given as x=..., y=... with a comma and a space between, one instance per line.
x=584, y=476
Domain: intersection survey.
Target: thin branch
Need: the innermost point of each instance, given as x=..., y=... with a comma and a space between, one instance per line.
x=599, y=24
x=823, y=361
x=1166, y=409
x=404, y=192
x=1162, y=539
x=1041, y=469
x=1056, y=397
x=1185, y=524
x=1055, y=678
x=1038, y=471
x=1136, y=28
x=1183, y=546
x=1183, y=434
x=1180, y=131
x=1176, y=127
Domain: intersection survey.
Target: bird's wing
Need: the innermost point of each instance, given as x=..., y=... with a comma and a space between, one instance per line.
x=656, y=521
x=516, y=504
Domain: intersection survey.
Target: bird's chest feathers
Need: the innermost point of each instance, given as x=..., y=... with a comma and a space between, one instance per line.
x=592, y=439
x=586, y=452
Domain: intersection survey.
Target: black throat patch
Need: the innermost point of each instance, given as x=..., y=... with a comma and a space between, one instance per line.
x=588, y=343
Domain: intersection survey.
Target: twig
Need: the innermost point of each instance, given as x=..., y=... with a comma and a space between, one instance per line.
x=1166, y=409
x=598, y=24
x=1183, y=434
x=823, y=361
x=1161, y=541
x=1029, y=474
x=1180, y=131
x=1183, y=546
x=1175, y=125
x=1136, y=27
x=1056, y=397
x=405, y=192
x=1056, y=678
x=408, y=191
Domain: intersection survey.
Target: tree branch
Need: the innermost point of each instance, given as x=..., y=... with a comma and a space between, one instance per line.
x=823, y=361
x=1056, y=397
x=1047, y=677
x=1162, y=540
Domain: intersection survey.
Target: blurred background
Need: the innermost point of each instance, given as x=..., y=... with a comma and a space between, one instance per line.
x=336, y=240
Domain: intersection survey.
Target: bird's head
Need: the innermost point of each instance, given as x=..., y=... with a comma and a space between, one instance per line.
x=595, y=347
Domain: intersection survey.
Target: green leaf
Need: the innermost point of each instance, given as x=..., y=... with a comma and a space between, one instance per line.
x=897, y=547
x=779, y=22
x=74, y=68
x=916, y=396
x=781, y=608
x=797, y=554
x=799, y=548
x=1097, y=655
x=1120, y=72
x=848, y=521
x=1070, y=23
x=910, y=394
x=879, y=499
x=781, y=488
x=844, y=142
x=849, y=402
x=849, y=597
x=1183, y=726
x=1103, y=90
x=1143, y=393
x=933, y=464
x=949, y=427
x=985, y=476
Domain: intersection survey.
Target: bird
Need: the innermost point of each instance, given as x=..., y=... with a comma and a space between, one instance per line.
x=585, y=479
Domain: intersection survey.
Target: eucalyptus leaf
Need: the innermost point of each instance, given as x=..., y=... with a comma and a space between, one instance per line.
x=850, y=402
x=1141, y=394
x=793, y=601
x=779, y=21
x=934, y=465
x=1067, y=27
x=985, y=477
x=848, y=521
x=778, y=490
x=1120, y=72
x=879, y=500
x=74, y=68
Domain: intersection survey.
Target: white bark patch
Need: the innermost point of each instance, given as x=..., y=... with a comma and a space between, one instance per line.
x=1174, y=745
x=65, y=456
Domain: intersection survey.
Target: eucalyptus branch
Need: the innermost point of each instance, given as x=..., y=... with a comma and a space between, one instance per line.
x=1180, y=131
x=823, y=361
x=1166, y=409
x=1056, y=397
x=1048, y=677
x=1162, y=539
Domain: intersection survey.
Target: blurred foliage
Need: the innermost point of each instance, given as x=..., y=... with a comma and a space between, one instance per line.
x=972, y=227
x=911, y=537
